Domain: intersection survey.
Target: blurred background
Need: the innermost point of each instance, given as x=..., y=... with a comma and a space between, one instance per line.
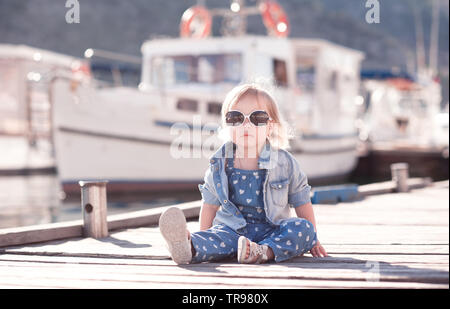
x=98, y=97
x=123, y=26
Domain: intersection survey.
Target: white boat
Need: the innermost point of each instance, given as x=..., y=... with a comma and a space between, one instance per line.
x=132, y=136
x=400, y=112
x=25, y=109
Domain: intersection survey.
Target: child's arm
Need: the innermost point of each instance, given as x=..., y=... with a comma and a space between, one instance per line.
x=299, y=198
x=211, y=203
x=207, y=214
x=306, y=211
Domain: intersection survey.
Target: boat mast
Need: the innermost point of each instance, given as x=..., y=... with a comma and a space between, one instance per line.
x=434, y=39
x=422, y=69
x=420, y=49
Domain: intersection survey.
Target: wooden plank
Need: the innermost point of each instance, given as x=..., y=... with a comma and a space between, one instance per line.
x=151, y=216
x=334, y=271
x=14, y=282
x=355, y=270
x=441, y=184
x=264, y=275
x=390, y=186
x=337, y=258
x=381, y=234
x=159, y=252
x=70, y=229
x=40, y=233
x=148, y=242
x=308, y=259
x=160, y=274
x=156, y=250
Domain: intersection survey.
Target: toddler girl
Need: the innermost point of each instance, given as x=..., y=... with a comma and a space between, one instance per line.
x=248, y=189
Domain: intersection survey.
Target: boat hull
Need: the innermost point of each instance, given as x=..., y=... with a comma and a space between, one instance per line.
x=151, y=165
x=19, y=157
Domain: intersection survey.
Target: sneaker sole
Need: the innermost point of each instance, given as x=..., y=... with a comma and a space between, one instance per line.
x=172, y=225
x=242, y=249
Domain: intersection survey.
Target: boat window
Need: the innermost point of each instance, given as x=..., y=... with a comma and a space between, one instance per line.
x=205, y=69
x=280, y=72
x=187, y=105
x=306, y=75
x=206, y=72
x=214, y=108
x=232, y=70
x=412, y=104
x=184, y=67
x=114, y=73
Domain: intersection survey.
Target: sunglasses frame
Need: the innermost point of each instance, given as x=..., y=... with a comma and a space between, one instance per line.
x=248, y=117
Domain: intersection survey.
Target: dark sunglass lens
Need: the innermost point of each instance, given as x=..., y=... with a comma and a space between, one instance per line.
x=234, y=118
x=259, y=118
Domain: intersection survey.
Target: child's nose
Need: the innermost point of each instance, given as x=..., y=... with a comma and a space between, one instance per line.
x=246, y=122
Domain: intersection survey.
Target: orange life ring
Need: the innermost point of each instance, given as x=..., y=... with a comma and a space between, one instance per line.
x=80, y=69
x=201, y=28
x=274, y=18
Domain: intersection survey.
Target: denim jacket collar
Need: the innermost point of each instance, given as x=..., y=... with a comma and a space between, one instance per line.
x=267, y=157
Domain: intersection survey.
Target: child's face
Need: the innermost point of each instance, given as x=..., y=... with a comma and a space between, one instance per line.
x=247, y=135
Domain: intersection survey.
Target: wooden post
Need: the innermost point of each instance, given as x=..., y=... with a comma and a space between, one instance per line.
x=94, y=207
x=399, y=172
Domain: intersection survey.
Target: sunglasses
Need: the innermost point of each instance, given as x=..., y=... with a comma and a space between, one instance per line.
x=257, y=118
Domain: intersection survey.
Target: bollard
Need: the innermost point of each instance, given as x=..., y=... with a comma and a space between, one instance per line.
x=94, y=208
x=399, y=172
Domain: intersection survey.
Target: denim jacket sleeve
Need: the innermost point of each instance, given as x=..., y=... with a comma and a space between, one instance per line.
x=207, y=190
x=299, y=189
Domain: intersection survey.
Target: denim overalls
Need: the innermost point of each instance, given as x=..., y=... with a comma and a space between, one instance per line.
x=289, y=238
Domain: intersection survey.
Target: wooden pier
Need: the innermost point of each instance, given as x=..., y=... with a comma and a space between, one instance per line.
x=382, y=240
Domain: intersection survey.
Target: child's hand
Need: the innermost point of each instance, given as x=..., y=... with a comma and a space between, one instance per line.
x=318, y=250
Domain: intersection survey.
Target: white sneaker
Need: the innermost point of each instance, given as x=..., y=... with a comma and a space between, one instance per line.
x=258, y=253
x=172, y=224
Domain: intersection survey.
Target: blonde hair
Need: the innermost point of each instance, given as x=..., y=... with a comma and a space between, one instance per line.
x=279, y=137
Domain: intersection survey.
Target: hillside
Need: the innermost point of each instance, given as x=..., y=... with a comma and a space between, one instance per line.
x=122, y=26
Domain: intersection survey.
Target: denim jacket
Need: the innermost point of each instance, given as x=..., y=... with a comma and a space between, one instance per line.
x=285, y=185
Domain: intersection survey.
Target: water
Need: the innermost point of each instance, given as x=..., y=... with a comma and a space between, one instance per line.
x=30, y=200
